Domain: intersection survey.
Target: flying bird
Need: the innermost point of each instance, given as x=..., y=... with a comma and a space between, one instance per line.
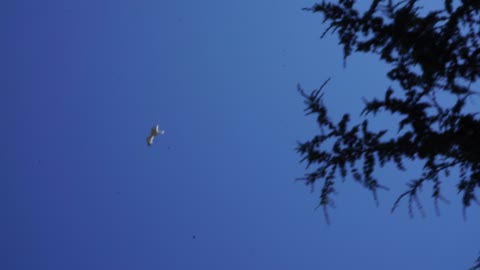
x=154, y=132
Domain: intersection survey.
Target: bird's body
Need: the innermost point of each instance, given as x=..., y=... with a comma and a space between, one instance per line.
x=154, y=132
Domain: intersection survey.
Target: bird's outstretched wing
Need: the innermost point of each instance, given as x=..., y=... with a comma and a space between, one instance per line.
x=150, y=140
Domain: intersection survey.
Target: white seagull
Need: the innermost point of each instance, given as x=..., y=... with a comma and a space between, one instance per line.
x=154, y=132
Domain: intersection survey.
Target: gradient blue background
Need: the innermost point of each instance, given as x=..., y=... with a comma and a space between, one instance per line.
x=84, y=81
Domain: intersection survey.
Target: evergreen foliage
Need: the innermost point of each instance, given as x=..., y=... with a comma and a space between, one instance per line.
x=427, y=54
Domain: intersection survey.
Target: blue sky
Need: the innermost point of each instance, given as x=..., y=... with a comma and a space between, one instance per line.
x=84, y=81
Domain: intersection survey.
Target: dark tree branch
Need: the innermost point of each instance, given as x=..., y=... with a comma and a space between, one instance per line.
x=438, y=52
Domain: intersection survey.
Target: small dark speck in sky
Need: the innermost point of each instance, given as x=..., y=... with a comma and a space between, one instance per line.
x=194, y=236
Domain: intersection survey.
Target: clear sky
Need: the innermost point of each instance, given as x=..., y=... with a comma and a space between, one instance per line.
x=84, y=81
